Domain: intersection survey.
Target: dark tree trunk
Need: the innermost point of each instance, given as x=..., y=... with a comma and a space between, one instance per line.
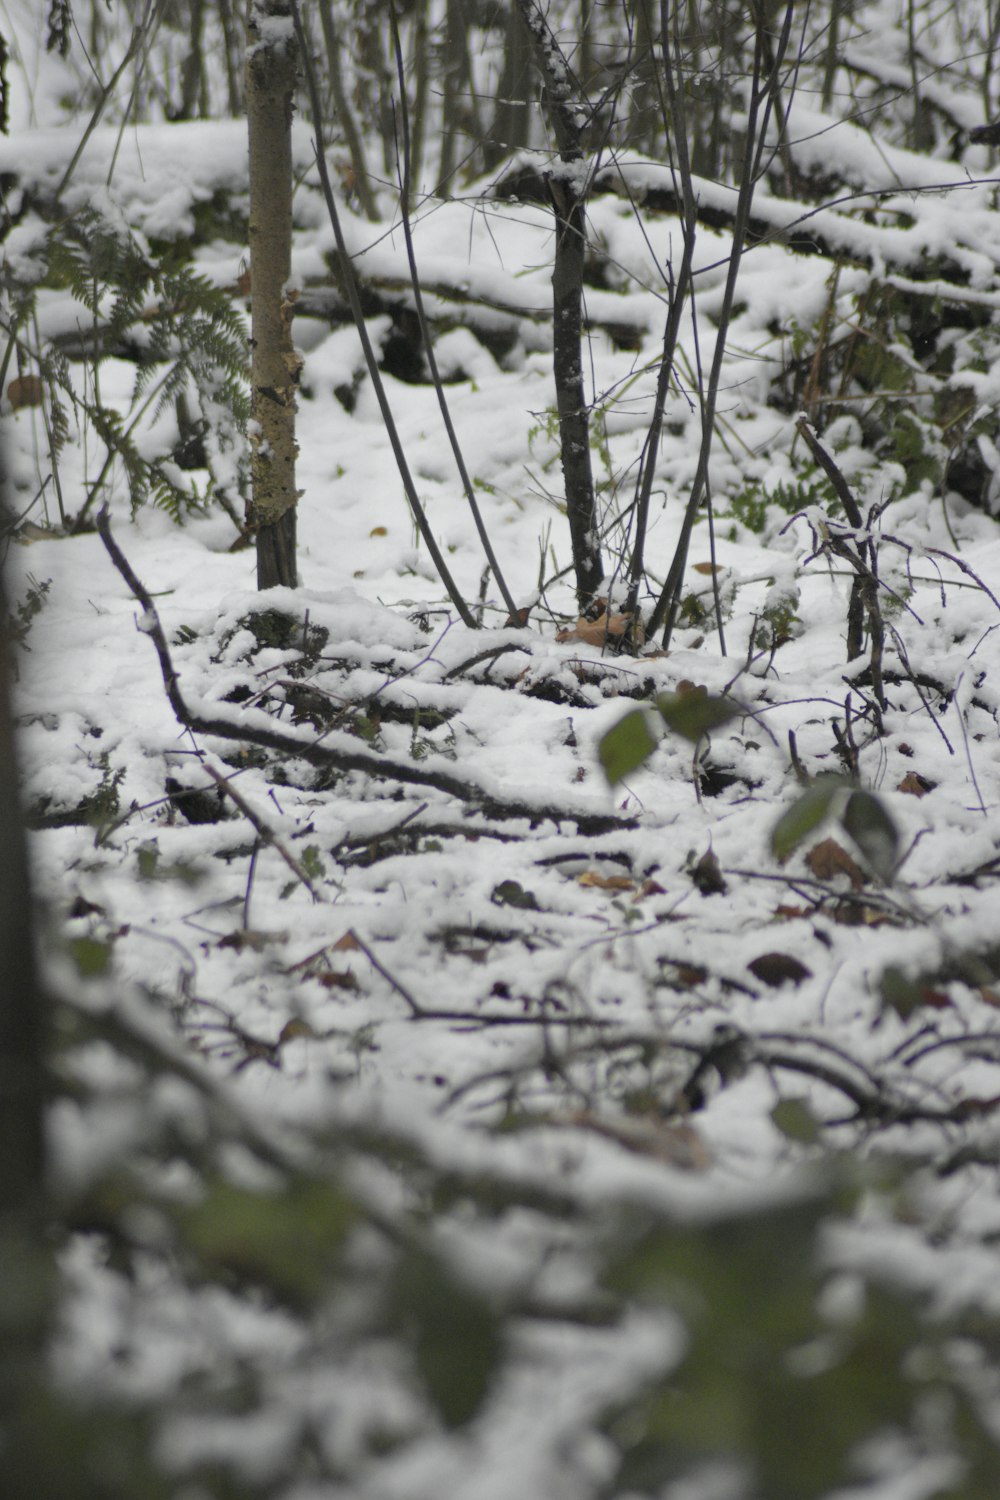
x=568, y=193
x=24, y=1256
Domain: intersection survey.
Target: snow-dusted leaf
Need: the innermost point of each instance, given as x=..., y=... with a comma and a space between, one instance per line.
x=626, y=745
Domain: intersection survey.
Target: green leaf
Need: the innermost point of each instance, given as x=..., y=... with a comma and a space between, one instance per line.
x=806, y=813
x=312, y=862
x=91, y=956
x=867, y=820
x=695, y=713
x=456, y=1336
x=626, y=745
x=288, y=1242
x=796, y=1121
x=512, y=893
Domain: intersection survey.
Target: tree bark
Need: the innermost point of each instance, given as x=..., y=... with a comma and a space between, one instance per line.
x=275, y=366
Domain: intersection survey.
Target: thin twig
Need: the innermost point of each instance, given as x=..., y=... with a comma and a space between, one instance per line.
x=264, y=830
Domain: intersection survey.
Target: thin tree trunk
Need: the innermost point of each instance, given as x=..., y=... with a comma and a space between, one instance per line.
x=568, y=192
x=271, y=56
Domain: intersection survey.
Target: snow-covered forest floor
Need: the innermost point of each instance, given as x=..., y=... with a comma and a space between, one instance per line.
x=479, y=1129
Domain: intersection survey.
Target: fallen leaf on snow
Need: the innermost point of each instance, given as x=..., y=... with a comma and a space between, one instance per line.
x=915, y=784
x=828, y=859
x=296, y=1027
x=243, y=937
x=775, y=969
x=595, y=880
x=346, y=944
x=596, y=632
x=339, y=979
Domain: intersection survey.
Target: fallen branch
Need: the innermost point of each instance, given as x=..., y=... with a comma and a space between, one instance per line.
x=337, y=757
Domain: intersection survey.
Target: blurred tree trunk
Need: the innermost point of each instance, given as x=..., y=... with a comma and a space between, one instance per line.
x=270, y=80
x=332, y=41
x=510, y=128
x=24, y=1252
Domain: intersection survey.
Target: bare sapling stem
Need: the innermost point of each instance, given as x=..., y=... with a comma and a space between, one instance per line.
x=375, y=374
x=425, y=333
x=759, y=110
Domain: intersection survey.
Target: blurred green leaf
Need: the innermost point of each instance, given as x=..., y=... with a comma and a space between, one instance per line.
x=869, y=824
x=796, y=1121
x=92, y=956
x=626, y=745
x=805, y=814
x=287, y=1241
x=696, y=712
x=456, y=1335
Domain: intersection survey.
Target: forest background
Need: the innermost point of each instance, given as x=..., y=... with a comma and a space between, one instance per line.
x=502, y=576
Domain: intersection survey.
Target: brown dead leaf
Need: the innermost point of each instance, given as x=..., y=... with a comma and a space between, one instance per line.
x=594, y=880
x=858, y=914
x=974, y=1108
x=346, y=944
x=776, y=969
x=242, y=938
x=915, y=785
x=340, y=979
x=25, y=390
x=705, y=569
x=296, y=1027
x=379, y=531
x=596, y=632
x=789, y=913
x=827, y=859
x=519, y=619
x=650, y=888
